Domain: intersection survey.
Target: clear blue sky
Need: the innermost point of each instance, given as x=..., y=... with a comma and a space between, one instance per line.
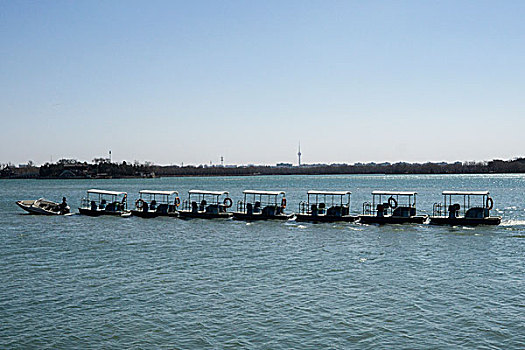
x=189, y=81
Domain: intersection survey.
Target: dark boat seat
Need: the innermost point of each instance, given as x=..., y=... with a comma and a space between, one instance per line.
x=162, y=208
x=257, y=207
x=382, y=209
x=322, y=208
x=269, y=210
x=111, y=207
x=404, y=212
x=314, y=210
x=194, y=207
x=336, y=210
x=212, y=209
x=249, y=208
x=477, y=213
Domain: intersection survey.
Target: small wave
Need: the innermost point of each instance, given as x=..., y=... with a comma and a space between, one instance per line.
x=513, y=223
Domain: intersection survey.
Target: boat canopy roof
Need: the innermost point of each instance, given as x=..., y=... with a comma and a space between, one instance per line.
x=268, y=193
x=166, y=193
x=394, y=193
x=111, y=193
x=214, y=193
x=335, y=193
x=466, y=193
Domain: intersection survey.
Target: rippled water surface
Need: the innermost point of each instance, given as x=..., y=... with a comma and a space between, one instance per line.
x=82, y=282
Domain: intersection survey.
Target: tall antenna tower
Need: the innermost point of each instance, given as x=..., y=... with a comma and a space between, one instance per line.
x=222, y=161
x=299, y=153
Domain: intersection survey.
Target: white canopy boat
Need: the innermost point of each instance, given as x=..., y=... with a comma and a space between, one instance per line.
x=392, y=207
x=326, y=206
x=102, y=202
x=153, y=203
x=206, y=205
x=262, y=205
x=474, y=211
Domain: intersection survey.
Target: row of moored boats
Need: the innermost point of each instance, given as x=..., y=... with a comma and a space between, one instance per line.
x=386, y=207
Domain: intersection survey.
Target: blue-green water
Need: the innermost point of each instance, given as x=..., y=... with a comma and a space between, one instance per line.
x=82, y=282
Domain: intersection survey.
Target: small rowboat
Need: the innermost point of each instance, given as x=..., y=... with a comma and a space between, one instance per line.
x=43, y=207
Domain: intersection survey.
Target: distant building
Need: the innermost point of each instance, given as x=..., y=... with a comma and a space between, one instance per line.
x=67, y=174
x=299, y=154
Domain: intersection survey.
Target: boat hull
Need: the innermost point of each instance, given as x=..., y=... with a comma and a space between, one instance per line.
x=258, y=217
x=325, y=218
x=441, y=220
x=95, y=213
x=144, y=214
x=203, y=215
x=370, y=219
x=152, y=214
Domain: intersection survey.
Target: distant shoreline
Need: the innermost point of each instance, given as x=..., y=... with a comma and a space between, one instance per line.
x=71, y=169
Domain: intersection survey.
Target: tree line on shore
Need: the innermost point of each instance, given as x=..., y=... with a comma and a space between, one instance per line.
x=103, y=168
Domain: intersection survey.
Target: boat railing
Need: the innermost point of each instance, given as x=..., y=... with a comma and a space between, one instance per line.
x=84, y=203
x=437, y=209
x=368, y=209
x=240, y=206
x=303, y=207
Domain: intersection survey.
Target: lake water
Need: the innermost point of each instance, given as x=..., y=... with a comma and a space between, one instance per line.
x=82, y=282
